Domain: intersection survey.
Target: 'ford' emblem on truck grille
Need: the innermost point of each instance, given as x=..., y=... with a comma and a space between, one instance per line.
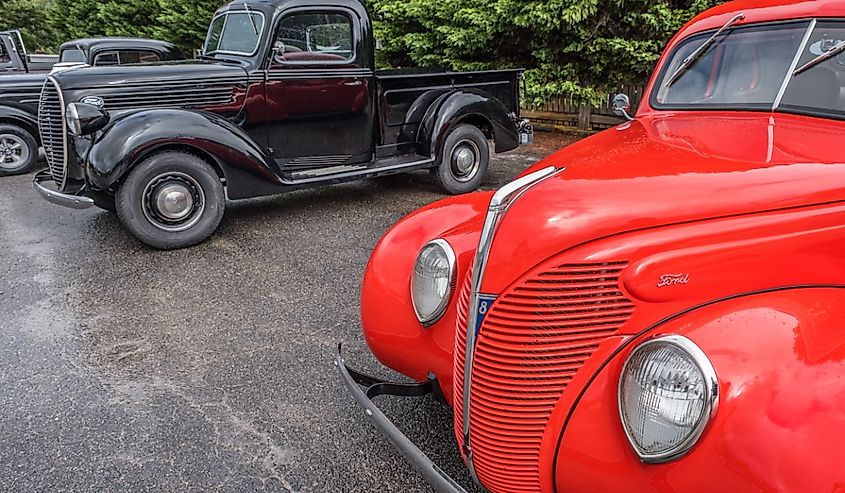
x=93, y=101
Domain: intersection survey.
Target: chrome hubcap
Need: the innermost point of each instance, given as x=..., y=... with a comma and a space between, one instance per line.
x=14, y=152
x=466, y=159
x=173, y=202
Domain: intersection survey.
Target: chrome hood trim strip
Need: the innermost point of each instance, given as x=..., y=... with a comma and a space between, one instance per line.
x=500, y=203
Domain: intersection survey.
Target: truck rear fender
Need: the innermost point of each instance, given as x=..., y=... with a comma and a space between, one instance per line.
x=472, y=106
x=131, y=137
x=19, y=117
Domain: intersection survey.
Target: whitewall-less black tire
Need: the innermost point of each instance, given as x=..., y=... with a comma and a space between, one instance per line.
x=465, y=157
x=171, y=200
x=18, y=150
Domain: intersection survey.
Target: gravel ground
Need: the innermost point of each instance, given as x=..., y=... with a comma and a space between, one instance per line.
x=207, y=369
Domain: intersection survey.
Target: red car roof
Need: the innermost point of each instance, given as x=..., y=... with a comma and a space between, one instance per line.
x=764, y=11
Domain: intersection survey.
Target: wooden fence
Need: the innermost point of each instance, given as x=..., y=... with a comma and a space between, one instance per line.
x=564, y=112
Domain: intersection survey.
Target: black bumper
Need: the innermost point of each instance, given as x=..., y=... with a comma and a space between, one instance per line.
x=364, y=389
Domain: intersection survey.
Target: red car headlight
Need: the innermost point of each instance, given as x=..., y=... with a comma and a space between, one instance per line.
x=668, y=392
x=432, y=282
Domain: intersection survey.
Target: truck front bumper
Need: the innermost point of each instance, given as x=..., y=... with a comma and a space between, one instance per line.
x=56, y=197
x=364, y=389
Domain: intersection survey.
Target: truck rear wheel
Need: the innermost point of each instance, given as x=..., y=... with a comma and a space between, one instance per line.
x=466, y=155
x=171, y=200
x=18, y=150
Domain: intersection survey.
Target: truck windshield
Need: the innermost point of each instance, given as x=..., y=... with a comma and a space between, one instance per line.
x=234, y=32
x=754, y=68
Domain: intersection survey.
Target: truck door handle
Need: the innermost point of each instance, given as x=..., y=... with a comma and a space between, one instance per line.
x=353, y=83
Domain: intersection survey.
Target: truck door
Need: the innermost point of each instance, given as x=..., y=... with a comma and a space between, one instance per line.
x=320, y=91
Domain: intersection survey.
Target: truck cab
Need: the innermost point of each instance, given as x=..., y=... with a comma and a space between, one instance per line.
x=285, y=96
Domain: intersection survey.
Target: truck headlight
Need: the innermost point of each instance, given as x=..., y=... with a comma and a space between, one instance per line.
x=85, y=119
x=433, y=280
x=668, y=392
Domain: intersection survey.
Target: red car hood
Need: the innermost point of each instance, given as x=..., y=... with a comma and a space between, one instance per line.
x=666, y=169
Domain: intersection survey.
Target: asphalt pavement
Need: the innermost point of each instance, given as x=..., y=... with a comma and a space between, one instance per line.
x=206, y=369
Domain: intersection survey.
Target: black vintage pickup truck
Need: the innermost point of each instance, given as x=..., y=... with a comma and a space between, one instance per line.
x=285, y=97
x=23, y=79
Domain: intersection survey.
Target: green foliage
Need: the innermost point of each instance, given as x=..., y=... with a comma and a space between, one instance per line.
x=581, y=48
x=30, y=17
x=185, y=22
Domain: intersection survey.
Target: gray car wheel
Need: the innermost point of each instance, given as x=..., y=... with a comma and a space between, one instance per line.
x=18, y=150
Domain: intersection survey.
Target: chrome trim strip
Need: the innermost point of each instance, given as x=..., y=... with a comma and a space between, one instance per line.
x=499, y=205
x=791, y=71
x=59, y=198
x=711, y=404
x=55, y=83
x=453, y=262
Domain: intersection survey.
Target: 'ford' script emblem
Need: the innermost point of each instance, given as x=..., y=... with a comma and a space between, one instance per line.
x=672, y=280
x=93, y=101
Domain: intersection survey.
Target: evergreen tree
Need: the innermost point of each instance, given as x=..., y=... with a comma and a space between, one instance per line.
x=185, y=23
x=582, y=48
x=30, y=17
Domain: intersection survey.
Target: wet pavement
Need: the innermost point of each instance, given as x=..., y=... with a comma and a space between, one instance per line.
x=207, y=369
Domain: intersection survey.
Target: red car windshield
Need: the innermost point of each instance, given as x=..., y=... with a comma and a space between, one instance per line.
x=756, y=68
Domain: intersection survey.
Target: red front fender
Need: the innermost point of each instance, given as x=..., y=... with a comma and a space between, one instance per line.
x=780, y=426
x=390, y=325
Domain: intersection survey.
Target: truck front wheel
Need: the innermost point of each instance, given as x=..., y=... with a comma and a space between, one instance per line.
x=466, y=155
x=18, y=150
x=171, y=200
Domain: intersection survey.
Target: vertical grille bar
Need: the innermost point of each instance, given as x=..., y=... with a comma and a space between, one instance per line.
x=51, y=125
x=533, y=342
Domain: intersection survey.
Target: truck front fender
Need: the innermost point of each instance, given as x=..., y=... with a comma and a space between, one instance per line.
x=131, y=137
x=21, y=118
x=467, y=106
x=780, y=423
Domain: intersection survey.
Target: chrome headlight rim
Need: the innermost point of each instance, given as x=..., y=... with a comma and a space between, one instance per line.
x=452, y=260
x=711, y=397
x=74, y=126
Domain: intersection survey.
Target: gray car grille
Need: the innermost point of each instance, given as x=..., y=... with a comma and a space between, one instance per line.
x=52, y=127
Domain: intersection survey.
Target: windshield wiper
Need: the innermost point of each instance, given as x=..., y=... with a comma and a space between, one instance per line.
x=251, y=18
x=688, y=61
x=839, y=48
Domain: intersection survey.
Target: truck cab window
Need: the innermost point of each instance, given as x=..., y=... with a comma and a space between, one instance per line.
x=106, y=59
x=315, y=37
x=4, y=56
x=73, y=55
x=125, y=57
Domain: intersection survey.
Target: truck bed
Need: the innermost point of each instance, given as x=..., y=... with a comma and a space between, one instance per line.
x=399, y=91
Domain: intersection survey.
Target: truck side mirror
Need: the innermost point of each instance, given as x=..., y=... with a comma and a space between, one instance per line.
x=622, y=106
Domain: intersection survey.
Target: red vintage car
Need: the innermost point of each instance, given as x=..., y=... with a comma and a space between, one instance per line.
x=657, y=308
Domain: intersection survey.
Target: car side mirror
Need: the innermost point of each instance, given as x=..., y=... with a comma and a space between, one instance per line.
x=622, y=106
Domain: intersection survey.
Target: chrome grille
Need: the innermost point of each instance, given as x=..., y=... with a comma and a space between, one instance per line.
x=52, y=128
x=171, y=96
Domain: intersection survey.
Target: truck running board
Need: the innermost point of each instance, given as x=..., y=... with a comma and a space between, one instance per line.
x=385, y=166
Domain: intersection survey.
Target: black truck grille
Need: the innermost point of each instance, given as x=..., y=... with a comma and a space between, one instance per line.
x=52, y=127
